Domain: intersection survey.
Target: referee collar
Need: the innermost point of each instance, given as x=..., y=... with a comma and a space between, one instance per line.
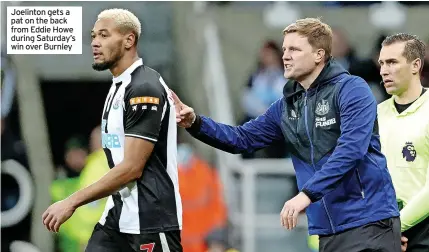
x=413, y=107
x=126, y=75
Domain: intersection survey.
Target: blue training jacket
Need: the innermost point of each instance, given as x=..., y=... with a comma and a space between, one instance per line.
x=331, y=131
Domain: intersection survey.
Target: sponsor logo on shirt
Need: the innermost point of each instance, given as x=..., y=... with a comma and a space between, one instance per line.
x=323, y=122
x=144, y=99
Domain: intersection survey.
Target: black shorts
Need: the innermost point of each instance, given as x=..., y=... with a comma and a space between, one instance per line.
x=418, y=237
x=107, y=240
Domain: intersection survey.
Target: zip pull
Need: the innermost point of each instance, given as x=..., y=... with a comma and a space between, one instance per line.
x=305, y=99
x=363, y=194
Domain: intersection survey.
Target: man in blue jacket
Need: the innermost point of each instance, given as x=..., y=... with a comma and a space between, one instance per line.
x=328, y=119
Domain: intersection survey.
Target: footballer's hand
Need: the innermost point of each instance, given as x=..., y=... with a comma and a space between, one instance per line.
x=185, y=115
x=57, y=214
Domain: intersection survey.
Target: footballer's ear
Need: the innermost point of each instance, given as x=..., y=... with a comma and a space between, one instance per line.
x=130, y=40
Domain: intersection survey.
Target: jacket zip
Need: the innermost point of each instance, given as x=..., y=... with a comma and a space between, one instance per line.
x=360, y=184
x=312, y=158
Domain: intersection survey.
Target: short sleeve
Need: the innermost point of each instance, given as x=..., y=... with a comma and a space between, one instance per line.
x=145, y=105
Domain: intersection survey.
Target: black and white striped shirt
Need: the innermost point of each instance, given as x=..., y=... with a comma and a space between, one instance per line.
x=139, y=104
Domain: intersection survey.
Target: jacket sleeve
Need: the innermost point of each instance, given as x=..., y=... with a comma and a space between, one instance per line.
x=358, y=110
x=249, y=137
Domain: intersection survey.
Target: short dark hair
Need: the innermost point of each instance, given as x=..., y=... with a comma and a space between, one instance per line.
x=414, y=46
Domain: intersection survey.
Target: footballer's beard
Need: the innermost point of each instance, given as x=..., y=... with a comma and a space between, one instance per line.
x=103, y=65
x=106, y=64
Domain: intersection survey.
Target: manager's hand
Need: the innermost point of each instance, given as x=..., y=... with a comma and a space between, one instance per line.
x=291, y=209
x=185, y=115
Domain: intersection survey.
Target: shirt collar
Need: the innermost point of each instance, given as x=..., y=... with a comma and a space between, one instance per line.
x=127, y=73
x=413, y=107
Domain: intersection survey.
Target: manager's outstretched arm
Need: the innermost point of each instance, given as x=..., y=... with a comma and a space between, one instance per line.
x=249, y=137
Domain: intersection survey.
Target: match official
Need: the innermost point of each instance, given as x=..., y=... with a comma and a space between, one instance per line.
x=404, y=132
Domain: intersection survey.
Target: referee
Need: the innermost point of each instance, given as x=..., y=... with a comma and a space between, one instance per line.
x=143, y=210
x=404, y=132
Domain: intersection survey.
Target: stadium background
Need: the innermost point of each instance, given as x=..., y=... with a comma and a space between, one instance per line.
x=209, y=53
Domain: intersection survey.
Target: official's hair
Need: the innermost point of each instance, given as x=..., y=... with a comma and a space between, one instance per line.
x=319, y=34
x=125, y=20
x=414, y=46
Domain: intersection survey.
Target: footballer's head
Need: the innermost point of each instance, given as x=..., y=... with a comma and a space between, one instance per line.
x=115, y=33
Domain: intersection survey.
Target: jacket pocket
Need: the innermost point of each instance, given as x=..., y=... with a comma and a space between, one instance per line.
x=361, y=187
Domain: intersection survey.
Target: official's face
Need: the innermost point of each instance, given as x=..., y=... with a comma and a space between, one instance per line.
x=299, y=57
x=107, y=44
x=396, y=72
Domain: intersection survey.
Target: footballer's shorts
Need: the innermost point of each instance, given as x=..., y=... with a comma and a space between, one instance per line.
x=108, y=240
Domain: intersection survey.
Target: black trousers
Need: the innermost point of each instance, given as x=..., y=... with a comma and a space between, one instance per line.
x=380, y=236
x=418, y=237
x=108, y=240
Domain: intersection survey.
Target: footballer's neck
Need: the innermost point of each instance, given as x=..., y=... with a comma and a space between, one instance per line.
x=124, y=63
x=411, y=94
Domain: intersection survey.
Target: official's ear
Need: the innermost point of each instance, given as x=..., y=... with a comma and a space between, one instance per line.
x=416, y=66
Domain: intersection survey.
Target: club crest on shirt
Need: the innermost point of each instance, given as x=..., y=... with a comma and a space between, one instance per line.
x=292, y=115
x=409, y=152
x=322, y=108
x=117, y=102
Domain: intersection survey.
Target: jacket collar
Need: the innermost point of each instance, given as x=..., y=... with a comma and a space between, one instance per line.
x=331, y=70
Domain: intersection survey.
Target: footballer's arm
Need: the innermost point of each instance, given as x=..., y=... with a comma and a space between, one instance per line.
x=137, y=152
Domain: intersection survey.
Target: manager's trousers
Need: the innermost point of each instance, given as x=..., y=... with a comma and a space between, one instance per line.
x=380, y=236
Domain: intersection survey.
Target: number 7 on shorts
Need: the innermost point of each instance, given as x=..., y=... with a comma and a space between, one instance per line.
x=147, y=247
